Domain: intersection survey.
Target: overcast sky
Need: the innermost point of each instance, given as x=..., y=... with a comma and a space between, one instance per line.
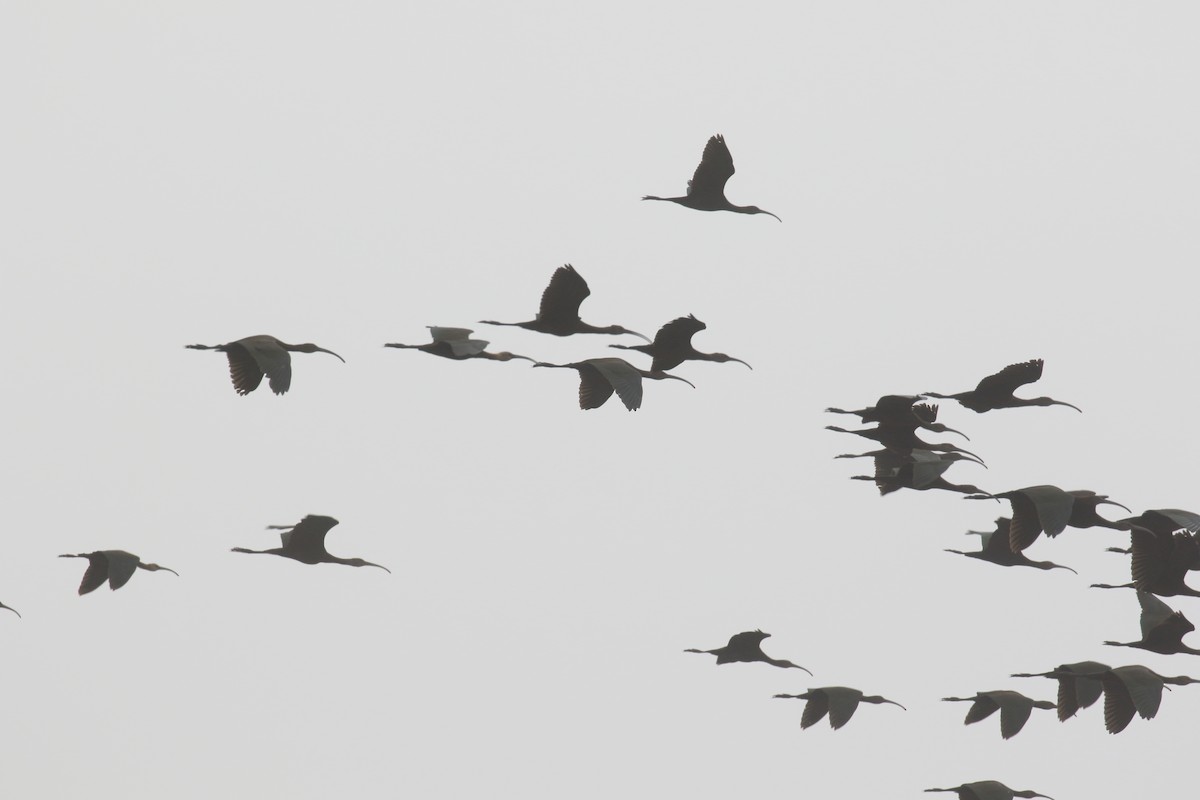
x=961, y=186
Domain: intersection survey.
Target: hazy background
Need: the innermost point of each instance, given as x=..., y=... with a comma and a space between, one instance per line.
x=962, y=186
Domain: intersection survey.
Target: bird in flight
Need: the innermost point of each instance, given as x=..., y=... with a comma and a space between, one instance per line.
x=706, y=189
x=672, y=345
x=114, y=566
x=600, y=377
x=305, y=542
x=996, y=391
x=746, y=646
x=456, y=344
x=558, y=314
x=839, y=702
x=255, y=356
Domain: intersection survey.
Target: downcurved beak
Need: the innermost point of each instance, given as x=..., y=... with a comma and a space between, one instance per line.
x=381, y=566
x=10, y=608
x=738, y=360
x=982, y=495
x=773, y=215
x=1080, y=410
x=948, y=429
x=676, y=377
x=323, y=350
x=1108, y=502
x=893, y=702
x=1062, y=566
x=640, y=336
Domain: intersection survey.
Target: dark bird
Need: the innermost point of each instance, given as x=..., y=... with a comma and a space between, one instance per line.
x=1014, y=709
x=1163, y=628
x=995, y=549
x=920, y=470
x=672, y=345
x=457, y=344
x=255, y=356
x=840, y=702
x=746, y=646
x=559, y=312
x=1160, y=562
x=599, y=377
x=1133, y=688
x=1075, y=689
x=904, y=441
x=989, y=790
x=10, y=608
x=706, y=189
x=996, y=391
x=305, y=542
x=114, y=566
x=902, y=411
x=1049, y=509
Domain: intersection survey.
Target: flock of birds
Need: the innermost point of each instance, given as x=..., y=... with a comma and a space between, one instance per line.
x=1165, y=543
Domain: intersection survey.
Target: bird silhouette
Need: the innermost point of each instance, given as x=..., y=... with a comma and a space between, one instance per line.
x=255, y=356
x=1076, y=689
x=559, y=312
x=996, y=391
x=1049, y=509
x=305, y=542
x=10, y=608
x=901, y=411
x=706, y=189
x=1130, y=689
x=1163, y=628
x=1160, y=561
x=672, y=345
x=989, y=790
x=599, y=377
x=994, y=549
x=840, y=702
x=746, y=646
x=114, y=566
x=457, y=344
x=1014, y=709
x=904, y=440
x=919, y=470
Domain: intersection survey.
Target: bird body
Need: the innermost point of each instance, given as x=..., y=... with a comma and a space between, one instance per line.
x=1133, y=689
x=995, y=550
x=901, y=412
x=558, y=313
x=305, y=542
x=988, y=790
x=744, y=647
x=919, y=470
x=839, y=702
x=1014, y=709
x=600, y=377
x=1050, y=510
x=996, y=391
x=1161, y=561
x=672, y=345
x=706, y=189
x=114, y=566
x=456, y=344
x=1163, y=628
x=255, y=356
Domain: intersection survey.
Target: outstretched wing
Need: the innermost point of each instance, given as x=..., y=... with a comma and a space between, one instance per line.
x=270, y=359
x=843, y=703
x=309, y=533
x=121, y=566
x=715, y=169
x=621, y=377
x=594, y=388
x=815, y=709
x=441, y=334
x=96, y=574
x=678, y=331
x=1007, y=380
x=243, y=369
x=561, y=299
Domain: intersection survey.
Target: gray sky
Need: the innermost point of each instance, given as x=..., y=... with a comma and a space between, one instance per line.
x=962, y=186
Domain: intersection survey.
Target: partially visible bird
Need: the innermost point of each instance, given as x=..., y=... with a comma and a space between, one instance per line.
x=1075, y=689
x=706, y=189
x=1163, y=628
x=600, y=377
x=996, y=391
x=1049, y=509
x=114, y=566
x=255, y=356
x=920, y=470
x=305, y=542
x=902, y=411
x=989, y=790
x=10, y=608
x=1161, y=562
x=1014, y=709
x=457, y=344
x=904, y=440
x=1133, y=688
x=672, y=345
x=746, y=646
x=558, y=314
x=994, y=549
x=840, y=702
